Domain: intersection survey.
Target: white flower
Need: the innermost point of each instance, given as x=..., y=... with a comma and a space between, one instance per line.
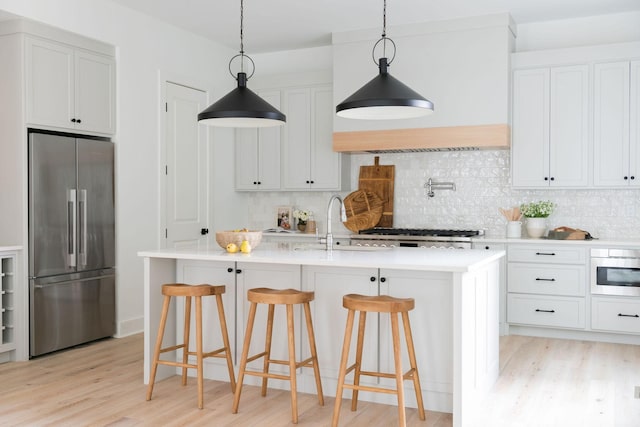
x=302, y=215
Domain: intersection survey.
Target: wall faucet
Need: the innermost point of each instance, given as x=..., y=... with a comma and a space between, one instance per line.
x=430, y=186
x=343, y=217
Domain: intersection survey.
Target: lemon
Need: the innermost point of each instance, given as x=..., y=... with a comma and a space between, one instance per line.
x=245, y=247
x=232, y=248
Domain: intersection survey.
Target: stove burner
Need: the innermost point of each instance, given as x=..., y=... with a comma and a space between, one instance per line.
x=420, y=232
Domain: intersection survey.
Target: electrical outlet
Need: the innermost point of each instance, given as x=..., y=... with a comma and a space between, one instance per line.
x=636, y=393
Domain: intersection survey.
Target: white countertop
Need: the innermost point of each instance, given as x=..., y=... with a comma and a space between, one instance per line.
x=393, y=258
x=632, y=242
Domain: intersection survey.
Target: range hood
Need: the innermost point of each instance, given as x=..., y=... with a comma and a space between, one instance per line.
x=455, y=138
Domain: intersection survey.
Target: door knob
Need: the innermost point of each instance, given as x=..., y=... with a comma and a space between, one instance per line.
x=204, y=231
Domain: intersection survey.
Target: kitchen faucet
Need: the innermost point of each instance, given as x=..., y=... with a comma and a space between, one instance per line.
x=343, y=217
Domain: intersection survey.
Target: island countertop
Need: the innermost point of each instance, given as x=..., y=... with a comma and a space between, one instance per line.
x=421, y=259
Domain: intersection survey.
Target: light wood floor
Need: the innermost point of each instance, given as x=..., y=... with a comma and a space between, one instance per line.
x=543, y=382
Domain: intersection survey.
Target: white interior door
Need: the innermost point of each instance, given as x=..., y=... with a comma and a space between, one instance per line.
x=187, y=167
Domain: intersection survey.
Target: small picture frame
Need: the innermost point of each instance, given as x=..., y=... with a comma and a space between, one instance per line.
x=285, y=217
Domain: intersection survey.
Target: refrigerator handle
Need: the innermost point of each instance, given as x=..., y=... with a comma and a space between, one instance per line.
x=71, y=228
x=82, y=227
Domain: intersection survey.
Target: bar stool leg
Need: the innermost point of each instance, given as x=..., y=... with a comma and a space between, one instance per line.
x=362, y=322
x=292, y=364
x=156, y=351
x=185, y=337
x=414, y=365
x=243, y=360
x=267, y=349
x=398, y=365
x=314, y=353
x=225, y=340
x=343, y=367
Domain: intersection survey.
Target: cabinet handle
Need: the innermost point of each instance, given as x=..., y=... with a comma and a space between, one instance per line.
x=229, y=270
x=238, y=271
x=383, y=279
x=545, y=311
x=78, y=121
x=259, y=182
x=626, y=178
x=372, y=278
x=627, y=315
x=487, y=247
x=633, y=177
x=545, y=280
x=308, y=182
x=553, y=179
x=546, y=253
x=255, y=182
x=74, y=120
x=546, y=178
x=313, y=182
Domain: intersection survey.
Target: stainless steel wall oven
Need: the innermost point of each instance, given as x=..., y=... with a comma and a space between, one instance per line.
x=615, y=272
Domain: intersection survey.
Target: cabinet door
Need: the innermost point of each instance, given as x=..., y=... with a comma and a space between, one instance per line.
x=246, y=159
x=530, y=132
x=431, y=324
x=50, y=87
x=269, y=149
x=255, y=275
x=325, y=163
x=297, y=140
x=213, y=273
x=611, y=124
x=330, y=318
x=95, y=108
x=569, y=127
x=634, y=144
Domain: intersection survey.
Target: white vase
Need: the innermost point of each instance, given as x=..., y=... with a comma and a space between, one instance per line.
x=536, y=227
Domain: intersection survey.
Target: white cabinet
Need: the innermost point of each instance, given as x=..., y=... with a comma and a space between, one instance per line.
x=257, y=153
x=212, y=273
x=550, y=127
x=615, y=314
x=7, y=303
x=309, y=162
x=547, y=286
x=616, y=136
x=69, y=88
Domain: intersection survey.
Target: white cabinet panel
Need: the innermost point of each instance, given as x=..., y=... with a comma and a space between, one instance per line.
x=539, y=310
x=95, y=92
x=615, y=314
x=569, y=280
x=547, y=254
x=297, y=139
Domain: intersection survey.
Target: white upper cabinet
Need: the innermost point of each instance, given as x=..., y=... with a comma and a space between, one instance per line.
x=550, y=132
x=69, y=88
x=309, y=162
x=616, y=154
x=258, y=153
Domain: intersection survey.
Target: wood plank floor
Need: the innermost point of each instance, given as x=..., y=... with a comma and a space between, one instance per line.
x=543, y=382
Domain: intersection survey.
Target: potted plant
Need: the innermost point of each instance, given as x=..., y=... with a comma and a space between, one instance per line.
x=302, y=216
x=536, y=214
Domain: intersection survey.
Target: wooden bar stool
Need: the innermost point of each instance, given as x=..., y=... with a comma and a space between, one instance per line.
x=189, y=291
x=288, y=297
x=378, y=304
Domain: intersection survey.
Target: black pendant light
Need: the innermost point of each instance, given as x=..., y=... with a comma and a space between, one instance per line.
x=242, y=107
x=384, y=97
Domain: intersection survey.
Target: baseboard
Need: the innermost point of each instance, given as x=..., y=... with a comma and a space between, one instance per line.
x=130, y=327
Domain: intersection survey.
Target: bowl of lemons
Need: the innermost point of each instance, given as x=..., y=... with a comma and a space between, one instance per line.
x=239, y=240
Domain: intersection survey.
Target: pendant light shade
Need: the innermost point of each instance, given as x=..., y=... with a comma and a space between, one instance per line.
x=241, y=107
x=384, y=97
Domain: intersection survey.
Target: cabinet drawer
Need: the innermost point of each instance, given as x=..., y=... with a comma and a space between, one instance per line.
x=615, y=314
x=547, y=254
x=562, y=312
x=569, y=280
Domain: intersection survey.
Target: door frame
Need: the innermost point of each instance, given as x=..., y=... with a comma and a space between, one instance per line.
x=165, y=77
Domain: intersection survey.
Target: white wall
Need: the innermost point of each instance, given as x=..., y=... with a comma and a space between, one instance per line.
x=145, y=49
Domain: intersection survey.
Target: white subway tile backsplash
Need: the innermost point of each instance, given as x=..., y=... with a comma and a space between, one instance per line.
x=482, y=186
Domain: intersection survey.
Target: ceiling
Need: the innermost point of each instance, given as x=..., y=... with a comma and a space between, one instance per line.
x=274, y=25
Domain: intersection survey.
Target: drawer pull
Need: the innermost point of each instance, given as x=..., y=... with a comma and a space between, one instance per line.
x=546, y=253
x=545, y=311
x=545, y=280
x=627, y=315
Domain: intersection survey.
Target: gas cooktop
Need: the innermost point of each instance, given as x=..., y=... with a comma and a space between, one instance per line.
x=381, y=231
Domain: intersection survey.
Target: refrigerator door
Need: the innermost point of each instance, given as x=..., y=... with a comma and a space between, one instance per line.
x=52, y=204
x=71, y=309
x=95, y=195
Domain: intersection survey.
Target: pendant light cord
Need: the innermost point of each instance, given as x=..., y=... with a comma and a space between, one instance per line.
x=384, y=39
x=242, y=35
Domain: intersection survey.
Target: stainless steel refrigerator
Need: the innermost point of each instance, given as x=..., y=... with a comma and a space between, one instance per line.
x=71, y=240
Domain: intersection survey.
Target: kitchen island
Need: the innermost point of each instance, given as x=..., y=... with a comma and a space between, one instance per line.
x=455, y=322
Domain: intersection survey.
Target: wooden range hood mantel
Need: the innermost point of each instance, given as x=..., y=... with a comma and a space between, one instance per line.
x=454, y=138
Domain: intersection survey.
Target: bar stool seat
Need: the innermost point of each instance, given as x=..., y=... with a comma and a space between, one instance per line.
x=378, y=304
x=289, y=298
x=197, y=292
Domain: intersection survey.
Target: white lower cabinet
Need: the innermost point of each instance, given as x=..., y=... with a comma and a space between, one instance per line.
x=615, y=314
x=7, y=305
x=546, y=286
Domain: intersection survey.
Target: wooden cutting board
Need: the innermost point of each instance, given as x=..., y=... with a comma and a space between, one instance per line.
x=379, y=179
x=364, y=210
